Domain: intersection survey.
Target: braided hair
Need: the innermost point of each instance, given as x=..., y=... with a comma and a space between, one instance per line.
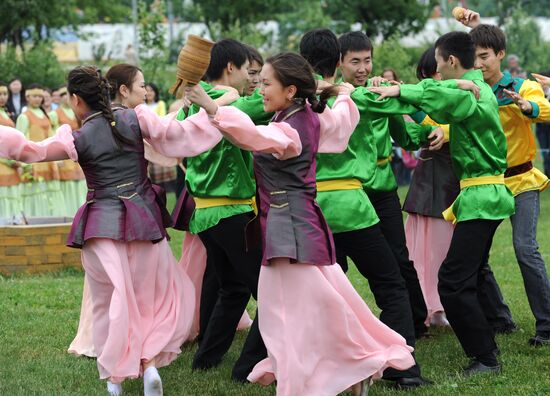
x=293, y=69
x=94, y=89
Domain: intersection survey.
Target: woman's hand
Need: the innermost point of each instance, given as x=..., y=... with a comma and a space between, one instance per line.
x=542, y=80
x=468, y=85
x=470, y=18
x=228, y=97
x=345, y=89
x=198, y=95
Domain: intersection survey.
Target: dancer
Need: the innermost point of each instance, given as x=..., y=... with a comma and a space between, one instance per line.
x=356, y=67
x=521, y=103
x=222, y=185
x=143, y=302
x=348, y=211
x=433, y=189
x=311, y=318
x=478, y=152
x=41, y=194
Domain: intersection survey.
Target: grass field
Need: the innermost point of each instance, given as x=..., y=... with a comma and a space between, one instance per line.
x=39, y=317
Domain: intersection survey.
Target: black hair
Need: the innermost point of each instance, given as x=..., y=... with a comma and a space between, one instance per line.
x=321, y=49
x=93, y=88
x=254, y=55
x=489, y=36
x=224, y=52
x=16, y=78
x=458, y=44
x=292, y=69
x=119, y=75
x=427, y=65
x=354, y=41
x=155, y=89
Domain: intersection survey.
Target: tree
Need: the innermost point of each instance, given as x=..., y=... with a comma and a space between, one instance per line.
x=503, y=9
x=386, y=17
x=34, y=19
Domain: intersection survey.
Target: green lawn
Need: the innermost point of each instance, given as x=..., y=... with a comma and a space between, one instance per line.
x=39, y=317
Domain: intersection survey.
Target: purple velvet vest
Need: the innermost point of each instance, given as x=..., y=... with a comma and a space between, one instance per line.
x=121, y=203
x=434, y=186
x=292, y=223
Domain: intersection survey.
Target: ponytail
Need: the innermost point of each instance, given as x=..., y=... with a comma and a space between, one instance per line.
x=318, y=104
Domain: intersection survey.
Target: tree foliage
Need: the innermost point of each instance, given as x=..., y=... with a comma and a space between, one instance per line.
x=386, y=17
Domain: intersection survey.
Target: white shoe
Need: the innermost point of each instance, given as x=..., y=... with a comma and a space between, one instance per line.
x=439, y=319
x=114, y=389
x=152, y=384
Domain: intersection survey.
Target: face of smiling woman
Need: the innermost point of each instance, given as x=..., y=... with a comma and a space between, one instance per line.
x=276, y=97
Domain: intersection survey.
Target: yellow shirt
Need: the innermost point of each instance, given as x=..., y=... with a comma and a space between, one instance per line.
x=518, y=128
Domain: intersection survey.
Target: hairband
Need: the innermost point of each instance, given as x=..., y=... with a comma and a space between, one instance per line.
x=35, y=91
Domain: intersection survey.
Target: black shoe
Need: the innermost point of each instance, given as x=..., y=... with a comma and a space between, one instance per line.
x=540, y=339
x=476, y=367
x=507, y=328
x=407, y=383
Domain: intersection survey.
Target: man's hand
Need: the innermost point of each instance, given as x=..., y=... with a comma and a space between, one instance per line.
x=468, y=85
x=437, y=138
x=386, y=92
x=524, y=105
x=470, y=18
x=377, y=81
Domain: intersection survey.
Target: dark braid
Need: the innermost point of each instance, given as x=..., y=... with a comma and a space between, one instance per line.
x=88, y=83
x=293, y=69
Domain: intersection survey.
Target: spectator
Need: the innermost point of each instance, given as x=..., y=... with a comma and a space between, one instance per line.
x=390, y=75
x=16, y=100
x=514, y=68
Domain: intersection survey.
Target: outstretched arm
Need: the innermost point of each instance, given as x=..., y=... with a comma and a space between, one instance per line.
x=14, y=145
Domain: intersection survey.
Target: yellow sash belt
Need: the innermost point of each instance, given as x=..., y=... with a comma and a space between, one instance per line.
x=383, y=161
x=339, y=184
x=472, y=181
x=203, y=203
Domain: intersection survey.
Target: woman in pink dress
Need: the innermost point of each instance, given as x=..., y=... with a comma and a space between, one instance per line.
x=143, y=302
x=321, y=337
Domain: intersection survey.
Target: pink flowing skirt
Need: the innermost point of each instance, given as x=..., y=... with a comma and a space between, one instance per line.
x=428, y=241
x=193, y=262
x=143, y=305
x=83, y=343
x=320, y=335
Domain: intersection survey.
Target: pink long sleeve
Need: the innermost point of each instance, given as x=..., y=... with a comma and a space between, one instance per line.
x=14, y=145
x=337, y=125
x=174, y=138
x=277, y=138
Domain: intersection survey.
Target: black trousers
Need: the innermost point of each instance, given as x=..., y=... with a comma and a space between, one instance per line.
x=388, y=209
x=237, y=272
x=374, y=259
x=495, y=309
x=459, y=278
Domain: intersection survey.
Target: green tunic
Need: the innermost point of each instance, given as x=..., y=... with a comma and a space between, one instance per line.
x=225, y=170
x=348, y=210
x=477, y=142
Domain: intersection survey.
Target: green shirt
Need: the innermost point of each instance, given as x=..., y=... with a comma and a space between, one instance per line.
x=225, y=170
x=348, y=210
x=477, y=142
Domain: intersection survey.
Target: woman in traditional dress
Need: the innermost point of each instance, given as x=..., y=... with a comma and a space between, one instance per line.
x=143, y=302
x=434, y=187
x=41, y=191
x=321, y=337
x=10, y=189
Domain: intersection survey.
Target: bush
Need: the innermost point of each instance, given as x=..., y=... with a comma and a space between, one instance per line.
x=36, y=65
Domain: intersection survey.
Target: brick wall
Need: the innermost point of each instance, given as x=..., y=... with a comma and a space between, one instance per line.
x=36, y=249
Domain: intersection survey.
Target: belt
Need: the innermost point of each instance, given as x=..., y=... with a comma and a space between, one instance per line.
x=448, y=213
x=518, y=169
x=383, y=161
x=339, y=184
x=203, y=203
x=481, y=180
